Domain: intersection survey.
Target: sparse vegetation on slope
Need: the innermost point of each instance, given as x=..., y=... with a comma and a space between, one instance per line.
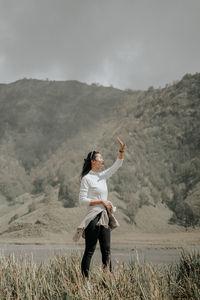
x=46, y=129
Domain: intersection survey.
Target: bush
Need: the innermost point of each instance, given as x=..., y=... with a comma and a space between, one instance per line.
x=65, y=196
x=185, y=216
x=131, y=210
x=38, y=186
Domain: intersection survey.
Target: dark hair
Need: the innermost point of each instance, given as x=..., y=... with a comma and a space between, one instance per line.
x=87, y=163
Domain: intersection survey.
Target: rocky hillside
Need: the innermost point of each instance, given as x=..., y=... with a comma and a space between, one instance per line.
x=47, y=128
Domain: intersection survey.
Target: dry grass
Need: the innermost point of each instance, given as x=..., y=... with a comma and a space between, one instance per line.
x=61, y=279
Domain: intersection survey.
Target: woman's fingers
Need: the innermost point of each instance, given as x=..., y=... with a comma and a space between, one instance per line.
x=121, y=143
x=109, y=207
x=119, y=140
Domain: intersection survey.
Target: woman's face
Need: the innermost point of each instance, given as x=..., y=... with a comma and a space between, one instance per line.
x=98, y=162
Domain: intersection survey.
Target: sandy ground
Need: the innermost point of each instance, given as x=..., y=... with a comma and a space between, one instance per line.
x=150, y=248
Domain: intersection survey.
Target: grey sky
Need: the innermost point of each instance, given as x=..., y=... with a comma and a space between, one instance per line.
x=125, y=43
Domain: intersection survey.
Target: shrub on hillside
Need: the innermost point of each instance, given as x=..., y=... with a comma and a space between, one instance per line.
x=65, y=196
x=38, y=186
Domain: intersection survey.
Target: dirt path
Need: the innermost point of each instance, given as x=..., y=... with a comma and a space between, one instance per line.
x=155, y=254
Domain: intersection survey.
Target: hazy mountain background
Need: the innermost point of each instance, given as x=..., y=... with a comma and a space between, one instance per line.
x=48, y=127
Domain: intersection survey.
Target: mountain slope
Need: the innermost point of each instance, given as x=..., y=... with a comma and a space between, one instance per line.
x=51, y=126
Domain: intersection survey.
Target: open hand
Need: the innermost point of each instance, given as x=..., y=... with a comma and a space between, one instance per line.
x=122, y=145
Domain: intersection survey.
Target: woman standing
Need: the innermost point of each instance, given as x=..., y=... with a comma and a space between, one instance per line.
x=99, y=219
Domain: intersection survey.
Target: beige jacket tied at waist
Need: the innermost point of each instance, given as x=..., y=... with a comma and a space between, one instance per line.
x=92, y=212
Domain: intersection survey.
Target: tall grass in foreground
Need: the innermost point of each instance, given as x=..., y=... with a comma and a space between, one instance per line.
x=61, y=279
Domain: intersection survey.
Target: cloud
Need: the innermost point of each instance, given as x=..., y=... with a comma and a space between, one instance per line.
x=129, y=44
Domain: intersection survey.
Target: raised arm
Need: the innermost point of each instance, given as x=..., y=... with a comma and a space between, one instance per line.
x=121, y=151
x=110, y=171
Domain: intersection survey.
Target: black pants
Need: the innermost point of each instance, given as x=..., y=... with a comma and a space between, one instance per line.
x=93, y=233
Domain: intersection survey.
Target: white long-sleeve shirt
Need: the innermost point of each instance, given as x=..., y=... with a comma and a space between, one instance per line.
x=94, y=186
